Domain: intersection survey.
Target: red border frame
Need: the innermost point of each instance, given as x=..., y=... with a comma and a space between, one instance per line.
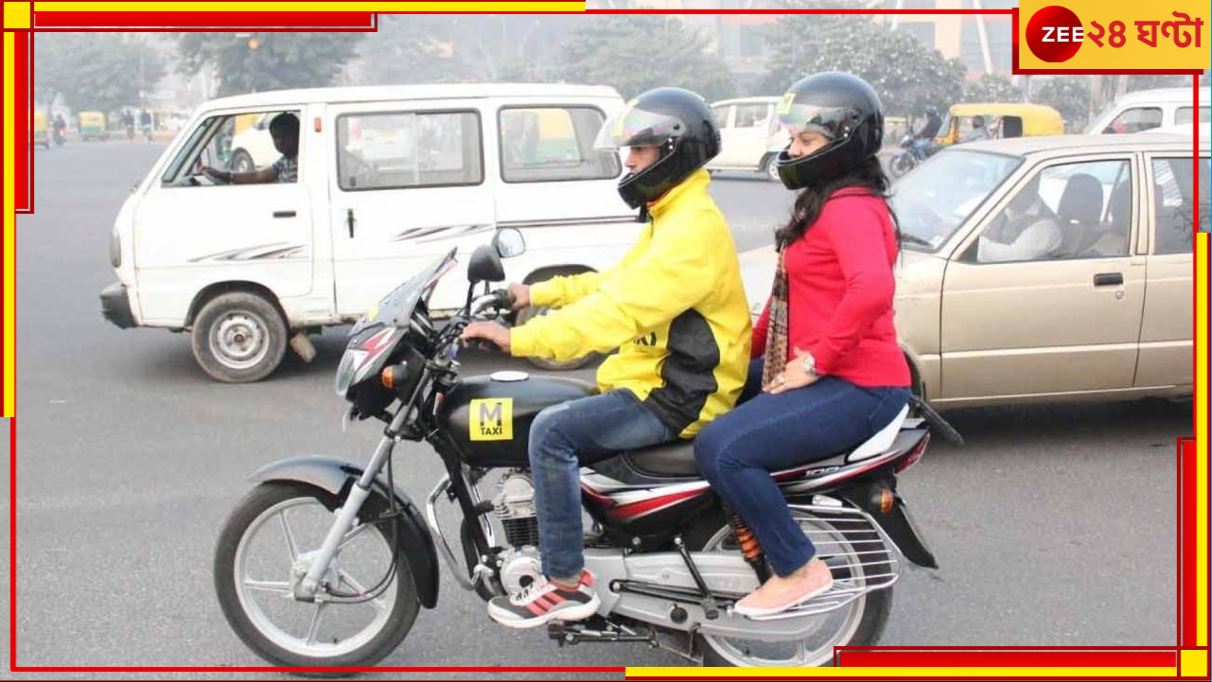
x=889, y=656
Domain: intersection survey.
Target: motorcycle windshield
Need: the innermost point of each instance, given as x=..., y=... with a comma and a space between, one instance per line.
x=396, y=307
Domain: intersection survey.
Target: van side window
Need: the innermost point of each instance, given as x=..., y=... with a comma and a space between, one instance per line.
x=1182, y=115
x=1135, y=120
x=1174, y=204
x=721, y=115
x=552, y=144
x=394, y=150
x=752, y=115
x=239, y=143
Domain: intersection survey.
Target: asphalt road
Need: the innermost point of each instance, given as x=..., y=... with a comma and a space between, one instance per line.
x=1054, y=526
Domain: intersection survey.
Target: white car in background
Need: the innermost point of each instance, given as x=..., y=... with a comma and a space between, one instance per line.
x=253, y=147
x=1147, y=109
x=750, y=135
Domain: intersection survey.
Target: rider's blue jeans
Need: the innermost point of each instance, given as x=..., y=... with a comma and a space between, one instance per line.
x=767, y=433
x=563, y=438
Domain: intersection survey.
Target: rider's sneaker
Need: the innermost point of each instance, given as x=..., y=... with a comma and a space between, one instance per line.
x=544, y=601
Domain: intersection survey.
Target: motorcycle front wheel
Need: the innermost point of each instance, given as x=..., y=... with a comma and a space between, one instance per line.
x=260, y=554
x=901, y=164
x=853, y=557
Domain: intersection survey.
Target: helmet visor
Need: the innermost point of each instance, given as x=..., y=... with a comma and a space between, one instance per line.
x=634, y=127
x=800, y=118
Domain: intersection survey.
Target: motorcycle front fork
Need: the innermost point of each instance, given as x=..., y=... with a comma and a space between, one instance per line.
x=306, y=588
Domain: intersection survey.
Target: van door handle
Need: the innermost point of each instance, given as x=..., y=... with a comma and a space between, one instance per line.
x=1106, y=279
x=349, y=221
x=284, y=214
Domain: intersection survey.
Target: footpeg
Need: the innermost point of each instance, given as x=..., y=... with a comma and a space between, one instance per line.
x=597, y=629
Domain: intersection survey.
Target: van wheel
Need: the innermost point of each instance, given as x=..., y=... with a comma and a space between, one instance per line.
x=239, y=337
x=771, y=169
x=241, y=162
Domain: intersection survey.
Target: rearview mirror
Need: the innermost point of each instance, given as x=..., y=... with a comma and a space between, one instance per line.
x=508, y=242
x=485, y=266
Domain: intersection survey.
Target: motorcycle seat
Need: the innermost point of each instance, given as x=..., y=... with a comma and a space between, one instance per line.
x=674, y=459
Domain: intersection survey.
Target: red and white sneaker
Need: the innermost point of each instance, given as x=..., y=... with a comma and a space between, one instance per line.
x=544, y=601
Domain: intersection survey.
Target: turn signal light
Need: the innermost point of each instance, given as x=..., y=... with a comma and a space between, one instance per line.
x=882, y=499
x=393, y=376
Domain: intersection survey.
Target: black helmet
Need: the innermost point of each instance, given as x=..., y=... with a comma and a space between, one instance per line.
x=676, y=120
x=843, y=108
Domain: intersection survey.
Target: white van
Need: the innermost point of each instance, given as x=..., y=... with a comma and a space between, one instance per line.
x=1145, y=109
x=388, y=178
x=750, y=135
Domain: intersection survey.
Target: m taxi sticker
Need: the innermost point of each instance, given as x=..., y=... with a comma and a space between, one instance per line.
x=491, y=419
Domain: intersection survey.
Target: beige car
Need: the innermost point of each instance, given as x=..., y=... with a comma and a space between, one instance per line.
x=1046, y=268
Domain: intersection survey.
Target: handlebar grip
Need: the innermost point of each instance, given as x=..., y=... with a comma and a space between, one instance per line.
x=505, y=299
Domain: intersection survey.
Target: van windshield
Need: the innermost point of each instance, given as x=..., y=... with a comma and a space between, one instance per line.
x=935, y=199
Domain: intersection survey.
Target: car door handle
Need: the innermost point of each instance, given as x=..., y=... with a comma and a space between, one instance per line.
x=349, y=221
x=1107, y=279
x=284, y=214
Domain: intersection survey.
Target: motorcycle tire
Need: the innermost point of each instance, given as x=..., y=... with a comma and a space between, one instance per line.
x=265, y=497
x=876, y=605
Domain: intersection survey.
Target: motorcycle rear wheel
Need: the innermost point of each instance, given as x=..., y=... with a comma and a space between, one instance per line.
x=860, y=623
x=270, y=626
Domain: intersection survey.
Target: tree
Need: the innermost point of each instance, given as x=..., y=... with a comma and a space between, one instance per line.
x=908, y=76
x=992, y=87
x=267, y=61
x=635, y=53
x=95, y=71
x=1070, y=95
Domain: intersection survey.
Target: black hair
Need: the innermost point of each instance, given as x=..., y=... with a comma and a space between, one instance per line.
x=868, y=175
x=285, y=123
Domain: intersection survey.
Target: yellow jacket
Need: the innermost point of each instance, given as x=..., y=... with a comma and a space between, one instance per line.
x=674, y=307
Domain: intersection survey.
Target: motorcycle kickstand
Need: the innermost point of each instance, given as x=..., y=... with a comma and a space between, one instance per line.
x=710, y=609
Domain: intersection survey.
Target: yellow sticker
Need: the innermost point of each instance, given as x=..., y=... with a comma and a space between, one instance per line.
x=491, y=419
x=785, y=105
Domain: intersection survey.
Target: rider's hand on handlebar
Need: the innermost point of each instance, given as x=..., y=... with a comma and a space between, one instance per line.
x=521, y=295
x=490, y=331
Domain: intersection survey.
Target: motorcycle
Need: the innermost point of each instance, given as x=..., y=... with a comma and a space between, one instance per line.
x=914, y=154
x=60, y=137
x=327, y=563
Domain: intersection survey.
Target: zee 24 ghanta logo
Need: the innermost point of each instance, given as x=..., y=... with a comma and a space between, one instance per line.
x=1055, y=34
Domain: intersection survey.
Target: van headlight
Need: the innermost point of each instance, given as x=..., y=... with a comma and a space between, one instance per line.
x=115, y=249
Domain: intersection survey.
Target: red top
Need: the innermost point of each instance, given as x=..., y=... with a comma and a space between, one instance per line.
x=840, y=289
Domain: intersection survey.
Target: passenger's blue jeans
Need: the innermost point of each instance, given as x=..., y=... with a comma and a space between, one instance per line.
x=565, y=437
x=768, y=433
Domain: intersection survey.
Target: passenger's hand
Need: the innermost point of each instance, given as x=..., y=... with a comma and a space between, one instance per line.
x=489, y=331
x=793, y=376
x=521, y=295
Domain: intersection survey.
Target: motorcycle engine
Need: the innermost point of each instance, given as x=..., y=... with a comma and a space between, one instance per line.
x=514, y=508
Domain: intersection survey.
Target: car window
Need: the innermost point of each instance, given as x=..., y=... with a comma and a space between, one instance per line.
x=1064, y=212
x=1174, y=204
x=721, y=115
x=553, y=144
x=935, y=199
x=394, y=150
x=752, y=116
x=1135, y=120
x=210, y=144
x=1182, y=116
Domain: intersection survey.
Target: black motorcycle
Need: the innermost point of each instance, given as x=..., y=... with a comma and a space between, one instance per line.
x=327, y=563
x=913, y=155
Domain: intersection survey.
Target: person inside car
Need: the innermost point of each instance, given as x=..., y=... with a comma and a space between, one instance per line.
x=284, y=129
x=1027, y=230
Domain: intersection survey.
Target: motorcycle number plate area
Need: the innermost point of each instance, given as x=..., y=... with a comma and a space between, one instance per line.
x=491, y=419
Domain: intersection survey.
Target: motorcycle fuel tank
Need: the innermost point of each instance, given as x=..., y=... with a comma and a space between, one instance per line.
x=489, y=417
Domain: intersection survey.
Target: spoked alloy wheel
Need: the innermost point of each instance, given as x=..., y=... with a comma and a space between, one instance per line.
x=264, y=550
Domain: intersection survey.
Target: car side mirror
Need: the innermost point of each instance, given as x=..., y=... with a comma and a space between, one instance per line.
x=508, y=242
x=485, y=266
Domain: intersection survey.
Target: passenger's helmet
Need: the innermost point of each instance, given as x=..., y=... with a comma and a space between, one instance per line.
x=842, y=107
x=676, y=120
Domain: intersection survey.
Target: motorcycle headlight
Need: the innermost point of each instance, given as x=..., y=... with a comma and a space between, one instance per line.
x=347, y=370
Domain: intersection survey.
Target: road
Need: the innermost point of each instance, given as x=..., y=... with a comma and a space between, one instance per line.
x=1055, y=525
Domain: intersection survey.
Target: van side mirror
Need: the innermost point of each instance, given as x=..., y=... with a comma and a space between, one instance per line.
x=485, y=266
x=508, y=242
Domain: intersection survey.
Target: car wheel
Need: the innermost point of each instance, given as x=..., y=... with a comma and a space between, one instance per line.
x=531, y=312
x=239, y=337
x=771, y=168
x=241, y=162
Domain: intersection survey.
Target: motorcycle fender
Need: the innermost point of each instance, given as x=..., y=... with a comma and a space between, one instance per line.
x=899, y=526
x=334, y=475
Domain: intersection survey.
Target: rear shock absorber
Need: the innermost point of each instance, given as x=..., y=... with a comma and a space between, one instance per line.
x=750, y=549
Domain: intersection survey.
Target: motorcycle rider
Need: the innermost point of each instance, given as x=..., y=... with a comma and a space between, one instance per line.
x=827, y=371
x=924, y=139
x=674, y=308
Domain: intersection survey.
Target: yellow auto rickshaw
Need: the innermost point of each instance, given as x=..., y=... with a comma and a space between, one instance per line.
x=92, y=125
x=999, y=120
x=41, y=136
